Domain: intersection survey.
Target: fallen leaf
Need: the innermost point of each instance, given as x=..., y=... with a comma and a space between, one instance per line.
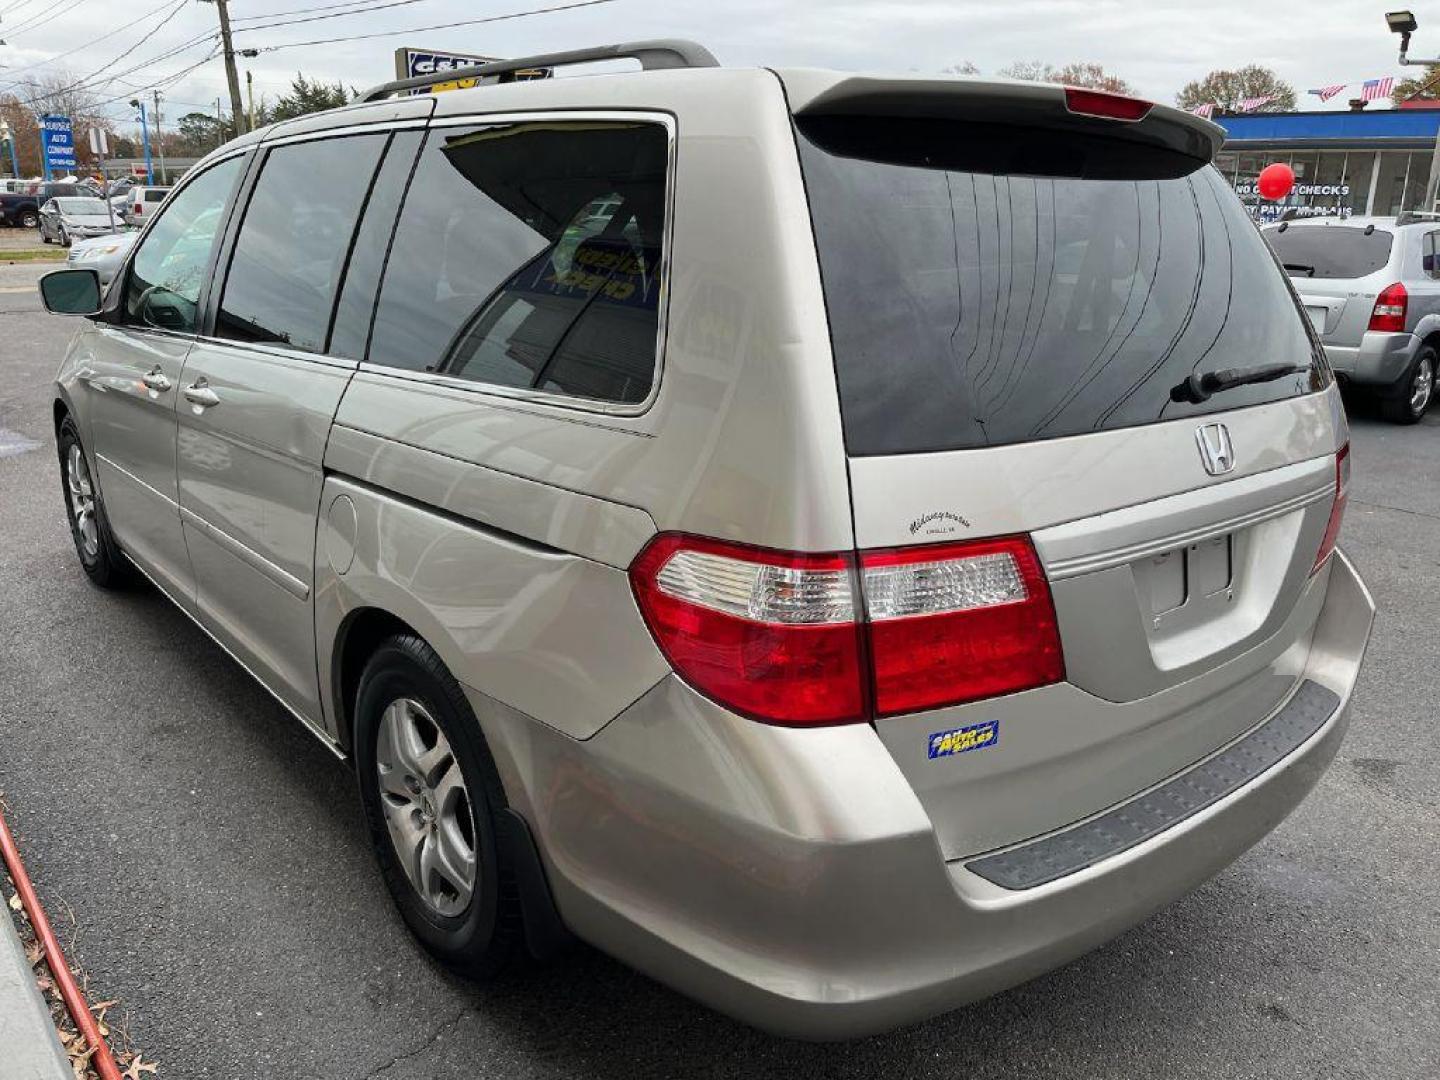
x=138, y=1066
x=16, y=903
x=101, y=1005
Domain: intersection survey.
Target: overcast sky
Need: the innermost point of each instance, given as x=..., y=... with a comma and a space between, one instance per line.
x=1157, y=45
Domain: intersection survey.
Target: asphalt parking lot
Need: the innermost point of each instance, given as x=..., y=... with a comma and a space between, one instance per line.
x=213, y=859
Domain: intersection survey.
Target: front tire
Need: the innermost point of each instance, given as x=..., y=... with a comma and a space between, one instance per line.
x=100, y=555
x=431, y=796
x=1414, y=392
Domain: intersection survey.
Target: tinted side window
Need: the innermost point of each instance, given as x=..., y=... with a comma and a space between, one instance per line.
x=163, y=287
x=290, y=253
x=528, y=255
x=362, y=277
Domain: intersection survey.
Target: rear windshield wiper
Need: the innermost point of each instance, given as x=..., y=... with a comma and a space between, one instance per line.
x=1200, y=388
x=1300, y=268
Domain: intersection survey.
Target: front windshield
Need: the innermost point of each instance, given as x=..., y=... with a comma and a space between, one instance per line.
x=81, y=207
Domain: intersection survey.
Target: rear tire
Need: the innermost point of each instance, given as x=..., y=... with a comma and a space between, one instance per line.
x=29, y=219
x=413, y=729
x=99, y=554
x=1412, y=395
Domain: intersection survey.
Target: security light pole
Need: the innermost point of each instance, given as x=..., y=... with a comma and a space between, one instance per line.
x=1404, y=24
x=136, y=103
x=160, y=142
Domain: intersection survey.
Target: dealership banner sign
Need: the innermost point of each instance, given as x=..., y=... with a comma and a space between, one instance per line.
x=58, y=138
x=413, y=63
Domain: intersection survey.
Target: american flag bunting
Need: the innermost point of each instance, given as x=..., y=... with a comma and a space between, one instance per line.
x=1250, y=104
x=1325, y=93
x=1374, y=89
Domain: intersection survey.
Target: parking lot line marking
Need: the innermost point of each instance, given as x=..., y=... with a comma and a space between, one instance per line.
x=17, y=288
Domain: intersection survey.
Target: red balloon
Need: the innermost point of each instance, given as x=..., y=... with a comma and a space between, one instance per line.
x=1276, y=181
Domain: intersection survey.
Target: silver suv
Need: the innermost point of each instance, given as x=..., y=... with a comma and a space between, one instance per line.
x=844, y=545
x=1370, y=287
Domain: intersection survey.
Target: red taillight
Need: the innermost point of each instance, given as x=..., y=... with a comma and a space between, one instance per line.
x=135, y=209
x=768, y=634
x=1390, y=305
x=1104, y=104
x=957, y=622
x=777, y=636
x=1337, y=509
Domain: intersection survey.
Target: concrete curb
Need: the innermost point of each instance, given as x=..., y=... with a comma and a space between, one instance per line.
x=31, y=1049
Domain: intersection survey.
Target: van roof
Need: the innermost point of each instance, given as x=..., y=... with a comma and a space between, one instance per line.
x=667, y=64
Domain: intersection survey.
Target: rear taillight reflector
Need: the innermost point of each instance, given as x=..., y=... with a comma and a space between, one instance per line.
x=956, y=622
x=1390, y=307
x=1337, y=508
x=779, y=637
x=1103, y=104
x=768, y=634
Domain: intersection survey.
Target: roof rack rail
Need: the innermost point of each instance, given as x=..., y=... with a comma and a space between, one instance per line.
x=653, y=56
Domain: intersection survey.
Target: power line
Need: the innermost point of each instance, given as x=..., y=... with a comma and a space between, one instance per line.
x=42, y=17
x=16, y=6
x=103, y=67
x=305, y=10
x=89, y=82
x=437, y=26
x=94, y=41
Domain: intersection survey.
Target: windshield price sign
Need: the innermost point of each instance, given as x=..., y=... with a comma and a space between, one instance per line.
x=59, y=140
x=412, y=63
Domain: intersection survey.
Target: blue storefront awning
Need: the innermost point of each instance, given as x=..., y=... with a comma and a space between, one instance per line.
x=1399, y=128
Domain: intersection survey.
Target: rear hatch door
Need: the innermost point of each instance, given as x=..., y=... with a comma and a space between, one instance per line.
x=1337, y=269
x=1017, y=300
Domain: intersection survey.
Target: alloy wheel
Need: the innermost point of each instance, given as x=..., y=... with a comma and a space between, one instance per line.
x=82, y=500
x=427, y=807
x=1423, y=386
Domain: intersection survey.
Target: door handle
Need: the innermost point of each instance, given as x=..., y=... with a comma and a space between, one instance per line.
x=200, y=395
x=155, y=379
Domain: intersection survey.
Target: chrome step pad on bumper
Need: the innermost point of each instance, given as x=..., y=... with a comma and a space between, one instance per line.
x=1058, y=854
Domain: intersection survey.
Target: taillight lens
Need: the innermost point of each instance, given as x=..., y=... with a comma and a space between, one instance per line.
x=1104, y=104
x=769, y=634
x=1337, y=509
x=136, y=209
x=1390, y=305
x=779, y=637
x=957, y=622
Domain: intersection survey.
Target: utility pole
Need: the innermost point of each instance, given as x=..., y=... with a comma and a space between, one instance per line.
x=232, y=77
x=250, y=95
x=159, y=141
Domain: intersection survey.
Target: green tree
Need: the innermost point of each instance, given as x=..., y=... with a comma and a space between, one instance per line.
x=1228, y=88
x=305, y=96
x=200, y=133
x=1085, y=73
x=1424, y=85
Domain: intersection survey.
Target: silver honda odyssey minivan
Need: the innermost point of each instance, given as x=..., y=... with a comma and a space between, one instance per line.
x=844, y=545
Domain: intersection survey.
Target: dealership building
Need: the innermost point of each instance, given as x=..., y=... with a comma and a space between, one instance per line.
x=1355, y=162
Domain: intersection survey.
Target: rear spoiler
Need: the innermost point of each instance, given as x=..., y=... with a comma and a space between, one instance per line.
x=995, y=101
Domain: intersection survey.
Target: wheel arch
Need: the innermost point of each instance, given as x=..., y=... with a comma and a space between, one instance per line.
x=360, y=633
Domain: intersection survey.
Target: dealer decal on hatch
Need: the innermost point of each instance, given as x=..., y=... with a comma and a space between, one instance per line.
x=961, y=740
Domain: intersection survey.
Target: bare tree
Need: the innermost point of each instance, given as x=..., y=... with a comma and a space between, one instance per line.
x=1081, y=73
x=1228, y=89
x=964, y=67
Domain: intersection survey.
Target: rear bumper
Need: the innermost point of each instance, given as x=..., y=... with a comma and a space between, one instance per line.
x=792, y=879
x=1379, y=359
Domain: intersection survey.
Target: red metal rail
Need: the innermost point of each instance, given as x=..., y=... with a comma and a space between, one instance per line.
x=101, y=1058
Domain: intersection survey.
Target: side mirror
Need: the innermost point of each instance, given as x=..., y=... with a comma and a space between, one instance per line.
x=71, y=292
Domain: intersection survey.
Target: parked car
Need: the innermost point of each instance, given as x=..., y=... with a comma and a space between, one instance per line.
x=103, y=254
x=66, y=219
x=141, y=201
x=22, y=209
x=879, y=562
x=1370, y=287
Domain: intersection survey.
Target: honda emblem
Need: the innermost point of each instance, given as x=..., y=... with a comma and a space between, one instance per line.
x=1215, y=451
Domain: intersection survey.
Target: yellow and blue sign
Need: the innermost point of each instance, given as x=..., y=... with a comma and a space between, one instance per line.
x=980, y=736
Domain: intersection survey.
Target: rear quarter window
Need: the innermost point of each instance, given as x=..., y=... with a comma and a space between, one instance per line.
x=1330, y=251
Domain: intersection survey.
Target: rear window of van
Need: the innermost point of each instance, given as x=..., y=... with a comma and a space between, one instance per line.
x=987, y=287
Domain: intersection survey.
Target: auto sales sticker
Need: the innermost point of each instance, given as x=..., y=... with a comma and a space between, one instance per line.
x=980, y=736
